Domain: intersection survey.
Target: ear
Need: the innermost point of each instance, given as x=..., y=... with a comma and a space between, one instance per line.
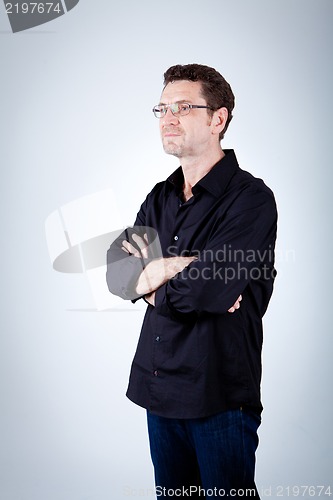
x=219, y=120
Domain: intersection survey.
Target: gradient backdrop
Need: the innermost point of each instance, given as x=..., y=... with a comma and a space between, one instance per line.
x=75, y=111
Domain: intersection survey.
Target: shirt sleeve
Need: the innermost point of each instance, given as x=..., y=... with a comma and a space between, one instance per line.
x=238, y=256
x=123, y=269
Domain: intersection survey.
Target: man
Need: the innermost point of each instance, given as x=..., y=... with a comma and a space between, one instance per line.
x=202, y=242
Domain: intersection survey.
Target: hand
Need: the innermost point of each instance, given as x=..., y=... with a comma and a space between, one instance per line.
x=141, y=241
x=236, y=305
x=159, y=271
x=150, y=298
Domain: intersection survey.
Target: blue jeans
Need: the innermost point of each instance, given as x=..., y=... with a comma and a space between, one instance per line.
x=207, y=457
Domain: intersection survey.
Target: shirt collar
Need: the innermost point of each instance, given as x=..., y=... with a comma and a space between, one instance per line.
x=215, y=181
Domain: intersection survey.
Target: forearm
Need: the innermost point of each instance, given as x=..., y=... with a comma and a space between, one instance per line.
x=159, y=271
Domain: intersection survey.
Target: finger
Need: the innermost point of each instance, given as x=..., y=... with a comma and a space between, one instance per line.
x=238, y=300
x=144, y=253
x=237, y=303
x=142, y=244
x=150, y=298
x=127, y=246
x=145, y=250
x=130, y=248
x=125, y=249
x=140, y=241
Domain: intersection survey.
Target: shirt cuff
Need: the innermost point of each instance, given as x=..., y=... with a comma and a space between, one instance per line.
x=163, y=300
x=160, y=295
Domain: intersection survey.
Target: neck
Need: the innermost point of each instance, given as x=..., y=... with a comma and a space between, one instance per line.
x=195, y=169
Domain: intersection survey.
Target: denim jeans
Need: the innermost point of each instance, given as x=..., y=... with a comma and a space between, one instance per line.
x=207, y=457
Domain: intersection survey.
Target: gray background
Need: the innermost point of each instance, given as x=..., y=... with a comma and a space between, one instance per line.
x=76, y=99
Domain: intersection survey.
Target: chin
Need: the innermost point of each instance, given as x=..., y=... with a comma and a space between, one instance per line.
x=172, y=150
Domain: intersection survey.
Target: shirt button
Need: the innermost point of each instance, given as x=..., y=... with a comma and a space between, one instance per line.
x=175, y=238
x=156, y=373
x=158, y=338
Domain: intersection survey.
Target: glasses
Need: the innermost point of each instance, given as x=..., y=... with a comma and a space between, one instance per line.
x=177, y=109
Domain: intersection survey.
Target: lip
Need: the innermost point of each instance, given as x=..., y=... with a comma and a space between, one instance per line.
x=171, y=133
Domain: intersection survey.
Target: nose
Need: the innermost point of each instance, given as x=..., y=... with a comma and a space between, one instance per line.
x=169, y=118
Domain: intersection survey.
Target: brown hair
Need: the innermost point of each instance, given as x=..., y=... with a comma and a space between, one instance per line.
x=215, y=89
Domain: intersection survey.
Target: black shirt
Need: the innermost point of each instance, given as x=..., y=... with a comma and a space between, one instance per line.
x=194, y=358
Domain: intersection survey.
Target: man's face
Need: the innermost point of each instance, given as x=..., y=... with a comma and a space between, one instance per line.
x=190, y=135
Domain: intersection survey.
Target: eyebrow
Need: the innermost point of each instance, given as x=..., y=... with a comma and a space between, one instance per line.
x=181, y=101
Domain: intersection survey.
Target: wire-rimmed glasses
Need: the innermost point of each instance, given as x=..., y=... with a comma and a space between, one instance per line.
x=176, y=108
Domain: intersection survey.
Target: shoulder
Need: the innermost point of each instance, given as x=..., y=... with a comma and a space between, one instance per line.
x=250, y=186
x=249, y=182
x=251, y=192
x=158, y=190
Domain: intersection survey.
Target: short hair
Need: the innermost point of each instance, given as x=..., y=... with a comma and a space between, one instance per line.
x=214, y=88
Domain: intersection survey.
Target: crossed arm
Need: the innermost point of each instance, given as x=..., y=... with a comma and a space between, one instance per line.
x=159, y=271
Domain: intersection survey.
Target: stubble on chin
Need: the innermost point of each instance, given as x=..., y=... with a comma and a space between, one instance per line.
x=172, y=149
